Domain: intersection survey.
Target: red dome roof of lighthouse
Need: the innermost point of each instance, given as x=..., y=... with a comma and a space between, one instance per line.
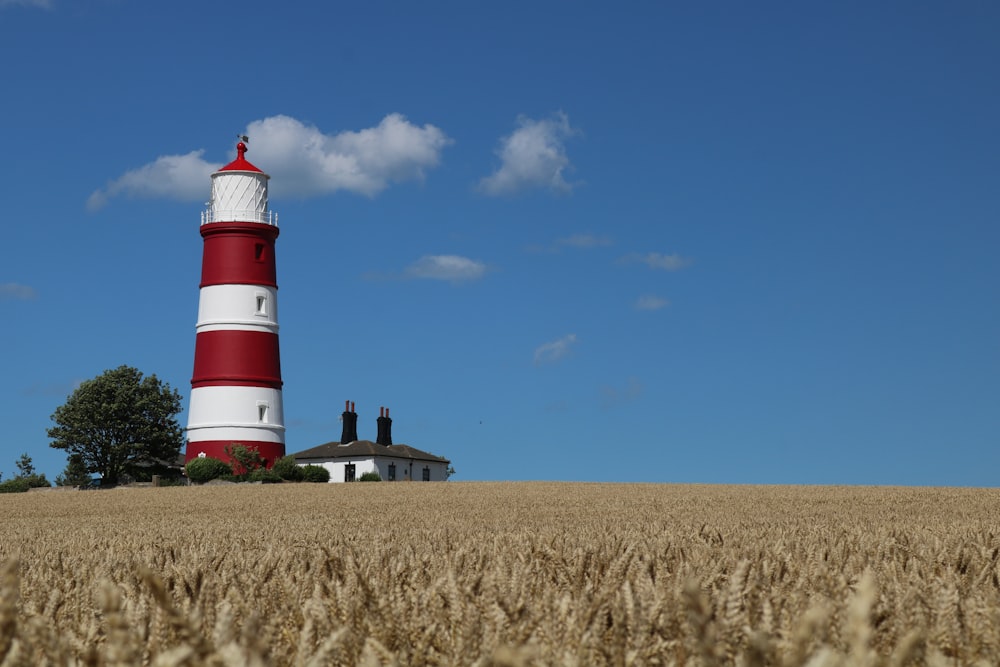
x=240, y=163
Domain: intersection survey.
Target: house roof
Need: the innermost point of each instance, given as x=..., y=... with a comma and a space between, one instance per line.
x=362, y=448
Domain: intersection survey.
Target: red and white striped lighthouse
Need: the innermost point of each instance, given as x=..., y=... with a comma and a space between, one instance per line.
x=236, y=387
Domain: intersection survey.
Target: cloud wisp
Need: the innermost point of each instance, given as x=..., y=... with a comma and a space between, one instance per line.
x=304, y=161
x=553, y=351
x=584, y=241
x=453, y=268
x=16, y=292
x=612, y=396
x=41, y=4
x=651, y=302
x=532, y=157
x=658, y=261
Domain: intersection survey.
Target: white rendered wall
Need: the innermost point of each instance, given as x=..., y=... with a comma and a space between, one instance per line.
x=238, y=307
x=238, y=196
x=381, y=465
x=235, y=413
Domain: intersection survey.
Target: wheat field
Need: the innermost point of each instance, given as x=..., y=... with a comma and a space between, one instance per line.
x=501, y=574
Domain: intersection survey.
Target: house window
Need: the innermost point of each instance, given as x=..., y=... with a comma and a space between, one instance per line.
x=258, y=252
x=261, y=412
x=392, y=472
x=349, y=472
x=427, y=474
x=261, y=304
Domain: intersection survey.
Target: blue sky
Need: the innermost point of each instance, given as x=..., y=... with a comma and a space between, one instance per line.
x=666, y=242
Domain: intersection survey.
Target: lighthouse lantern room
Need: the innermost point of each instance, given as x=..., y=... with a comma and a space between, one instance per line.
x=236, y=386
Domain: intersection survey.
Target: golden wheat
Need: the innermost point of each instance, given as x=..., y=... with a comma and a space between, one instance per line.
x=501, y=574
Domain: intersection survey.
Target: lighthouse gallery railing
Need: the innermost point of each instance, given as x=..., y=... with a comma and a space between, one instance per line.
x=231, y=215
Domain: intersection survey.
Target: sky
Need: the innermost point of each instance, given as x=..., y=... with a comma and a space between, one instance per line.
x=710, y=242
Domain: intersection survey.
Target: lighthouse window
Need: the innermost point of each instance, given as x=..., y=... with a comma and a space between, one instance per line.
x=349, y=472
x=262, y=304
x=258, y=252
x=262, y=413
x=392, y=472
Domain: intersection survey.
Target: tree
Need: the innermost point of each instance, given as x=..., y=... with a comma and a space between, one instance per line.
x=119, y=422
x=26, y=473
x=25, y=468
x=75, y=474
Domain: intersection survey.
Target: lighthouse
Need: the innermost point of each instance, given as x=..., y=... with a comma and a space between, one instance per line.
x=236, y=386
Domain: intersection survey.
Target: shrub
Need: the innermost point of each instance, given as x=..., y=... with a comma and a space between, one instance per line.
x=313, y=473
x=264, y=476
x=36, y=481
x=205, y=469
x=244, y=460
x=286, y=468
x=371, y=476
x=16, y=485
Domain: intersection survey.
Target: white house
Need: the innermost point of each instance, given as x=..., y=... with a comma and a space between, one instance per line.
x=351, y=458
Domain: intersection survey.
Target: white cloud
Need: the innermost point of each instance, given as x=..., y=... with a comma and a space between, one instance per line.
x=533, y=156
x=651, y=302
x=16, y=292
x=44, y=4
x=366, y=162
x=655, y=260
x=446, y=267
x=302, y=160
x=548, y=353
x=182, y=177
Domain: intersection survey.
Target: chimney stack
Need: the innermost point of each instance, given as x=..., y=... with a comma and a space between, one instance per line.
x=350, y=419
x=384, y=428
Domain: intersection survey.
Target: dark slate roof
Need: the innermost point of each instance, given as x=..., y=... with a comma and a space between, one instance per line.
x=362, y=448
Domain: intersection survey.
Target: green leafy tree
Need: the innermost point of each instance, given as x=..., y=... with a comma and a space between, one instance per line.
x=119, y=422
x=26, y=474
x=75, y=474
x=25, y=467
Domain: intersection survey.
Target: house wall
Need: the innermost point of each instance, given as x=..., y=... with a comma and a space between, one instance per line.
x=337, y=468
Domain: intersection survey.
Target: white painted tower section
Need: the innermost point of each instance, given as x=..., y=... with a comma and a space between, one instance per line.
x=238, y=414
x=238, y=308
